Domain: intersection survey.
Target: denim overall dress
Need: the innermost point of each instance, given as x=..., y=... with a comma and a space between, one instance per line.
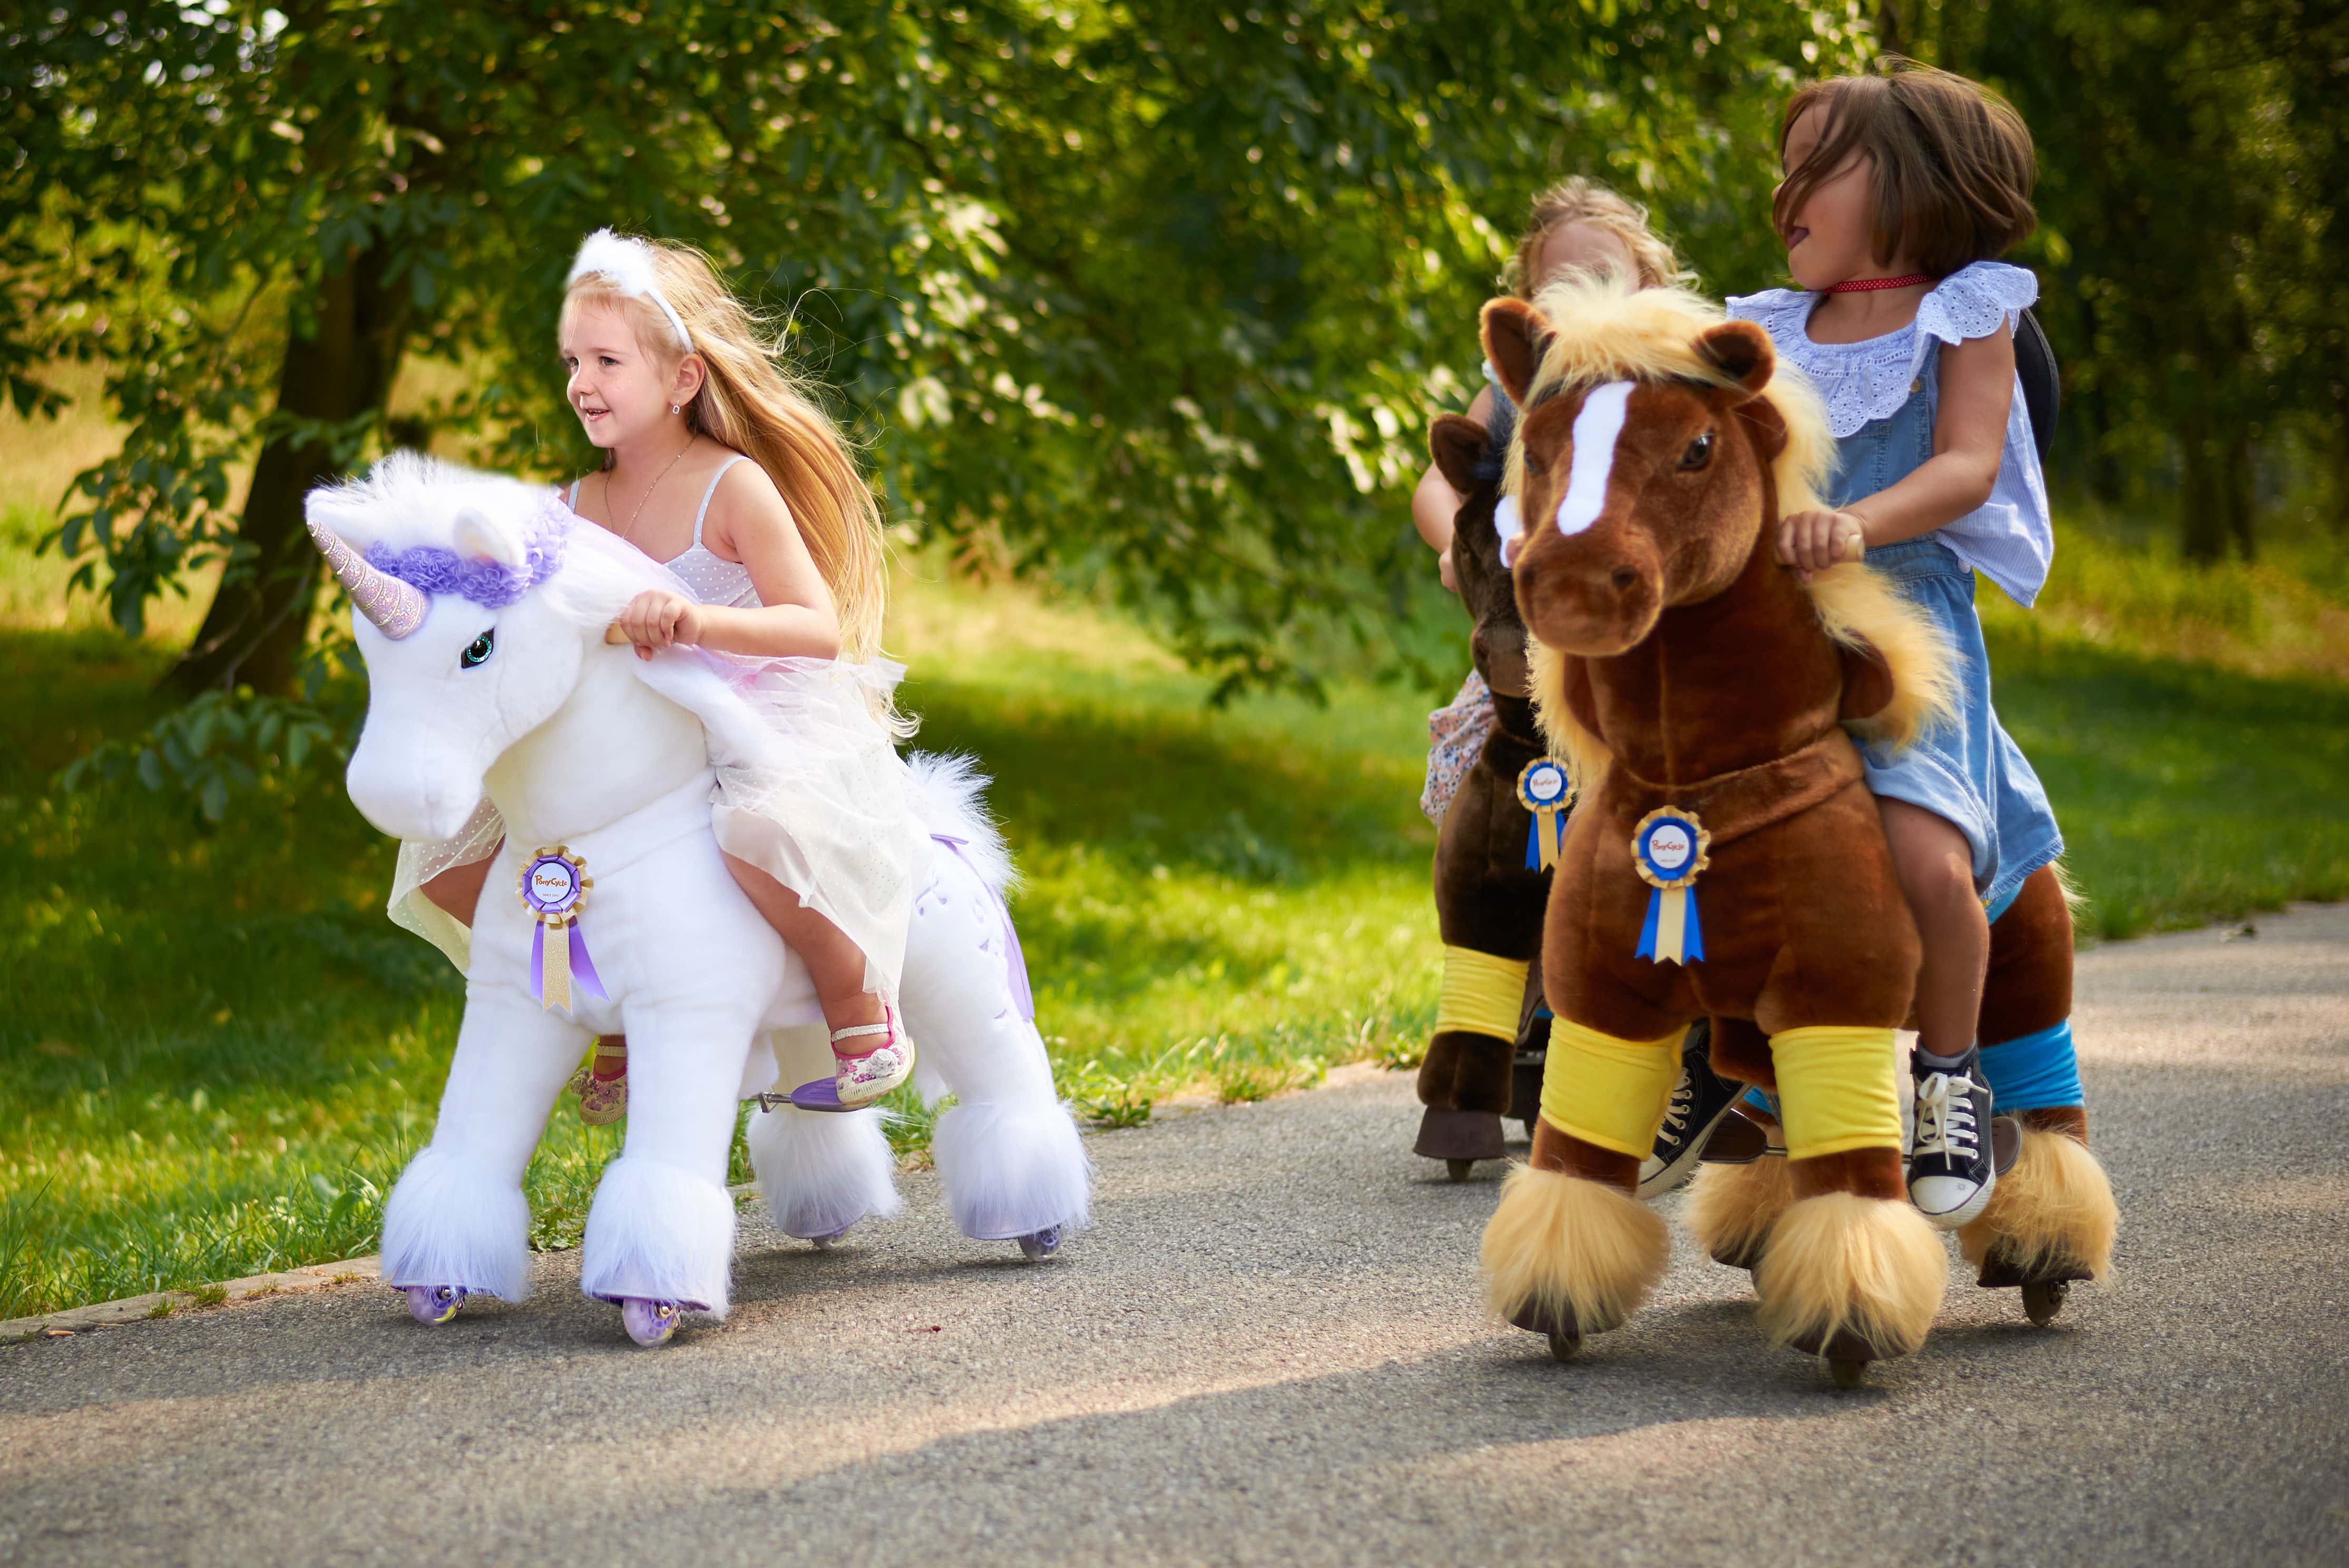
x=1969, y=772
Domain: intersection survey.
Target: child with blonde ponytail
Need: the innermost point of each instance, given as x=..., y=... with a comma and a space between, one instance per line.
x=721, y=466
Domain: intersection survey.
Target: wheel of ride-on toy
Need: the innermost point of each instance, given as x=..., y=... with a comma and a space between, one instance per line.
x=1041, y=1244
x=2043, y=1299
x=825, y=1242
x=1459, y=1169
x=649, y=1322
x=434, y=1304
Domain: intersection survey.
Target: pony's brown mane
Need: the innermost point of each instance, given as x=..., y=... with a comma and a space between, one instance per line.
x=1604, y=331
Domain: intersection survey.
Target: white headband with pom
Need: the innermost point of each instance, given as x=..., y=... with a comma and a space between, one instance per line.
x=628, y=262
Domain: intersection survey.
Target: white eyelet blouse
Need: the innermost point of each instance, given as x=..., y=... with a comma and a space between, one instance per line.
x=2011, y=538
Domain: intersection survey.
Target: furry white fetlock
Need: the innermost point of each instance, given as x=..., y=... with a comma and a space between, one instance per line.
x=1562, y=1242
x=452, y=1222
x=1839, y=1261
x=821, y=1171
x=658, y=1233
x=1012, y=1171
x=2053, y=1211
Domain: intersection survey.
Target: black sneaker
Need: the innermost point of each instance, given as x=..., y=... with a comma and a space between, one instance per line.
x=1700, y=1100
x=1950, y=1167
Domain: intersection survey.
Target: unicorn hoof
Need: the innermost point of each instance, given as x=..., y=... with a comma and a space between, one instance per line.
x=435, y=1303
x=1041, y=1244
x=649, y=1322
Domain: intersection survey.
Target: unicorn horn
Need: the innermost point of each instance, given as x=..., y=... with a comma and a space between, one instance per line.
x=394, y=608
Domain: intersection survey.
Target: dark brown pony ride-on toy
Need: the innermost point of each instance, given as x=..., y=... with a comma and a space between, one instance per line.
x=1488, y=901
x=1726, y=859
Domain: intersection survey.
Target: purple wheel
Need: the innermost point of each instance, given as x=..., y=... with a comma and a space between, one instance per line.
x=649, y=1322
x=435, y=1303
x=824, y=1243
x=1041, y=1244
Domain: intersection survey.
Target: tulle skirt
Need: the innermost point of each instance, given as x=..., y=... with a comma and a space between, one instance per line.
x=828, y=812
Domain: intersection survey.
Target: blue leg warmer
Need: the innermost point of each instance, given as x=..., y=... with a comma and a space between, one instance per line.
x=2034, y=1072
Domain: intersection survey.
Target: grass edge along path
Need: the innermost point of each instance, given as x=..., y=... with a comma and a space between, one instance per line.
x=218, y=1054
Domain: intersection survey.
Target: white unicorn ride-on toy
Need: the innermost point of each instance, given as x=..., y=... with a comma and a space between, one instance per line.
x=480, y=605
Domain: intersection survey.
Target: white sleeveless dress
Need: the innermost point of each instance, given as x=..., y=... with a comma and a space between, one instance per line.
x=834, y=822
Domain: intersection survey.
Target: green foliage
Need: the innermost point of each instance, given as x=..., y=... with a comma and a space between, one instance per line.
x=1156, y=294
x=2195, y=204
x=220, y=746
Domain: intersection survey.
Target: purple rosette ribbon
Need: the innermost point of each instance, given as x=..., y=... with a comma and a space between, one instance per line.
x=553, y=886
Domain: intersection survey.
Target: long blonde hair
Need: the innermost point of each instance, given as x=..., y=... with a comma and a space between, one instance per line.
x=752, y=400
x=1581, y=200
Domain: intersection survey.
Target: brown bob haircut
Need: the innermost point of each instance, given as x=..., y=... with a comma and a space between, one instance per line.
x=1953, y=162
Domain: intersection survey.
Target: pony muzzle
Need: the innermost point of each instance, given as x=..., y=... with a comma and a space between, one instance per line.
x=1584, y=597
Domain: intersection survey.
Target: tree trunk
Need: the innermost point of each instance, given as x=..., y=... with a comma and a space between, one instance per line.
x=2203, y=515
x=340, y=369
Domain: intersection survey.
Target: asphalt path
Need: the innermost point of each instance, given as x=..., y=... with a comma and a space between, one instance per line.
x=1270, y=1349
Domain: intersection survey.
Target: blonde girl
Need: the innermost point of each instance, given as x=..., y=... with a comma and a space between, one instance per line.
x=723, y=467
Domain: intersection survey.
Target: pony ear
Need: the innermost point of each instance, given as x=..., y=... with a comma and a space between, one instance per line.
x=481, y=540
x=1741, y=351
x=1515, y=335
x=1457, y=445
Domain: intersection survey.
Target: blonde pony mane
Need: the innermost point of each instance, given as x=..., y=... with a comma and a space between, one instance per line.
x=1603, y=330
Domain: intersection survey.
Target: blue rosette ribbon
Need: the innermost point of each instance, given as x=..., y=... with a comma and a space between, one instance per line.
x=1547, y=794
x=1669, y=849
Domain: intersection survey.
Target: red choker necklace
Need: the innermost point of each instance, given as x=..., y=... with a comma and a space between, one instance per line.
x=1869, y=286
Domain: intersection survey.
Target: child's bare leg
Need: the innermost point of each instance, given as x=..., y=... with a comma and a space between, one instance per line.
x=1952, y=1170
x=835, y=962
x=1937, y=875
x=458, y=889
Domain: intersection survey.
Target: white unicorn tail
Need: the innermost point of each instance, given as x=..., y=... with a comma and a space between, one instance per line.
x=950, y=798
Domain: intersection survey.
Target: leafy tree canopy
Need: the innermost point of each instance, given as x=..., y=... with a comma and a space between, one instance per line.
x=1159, y=292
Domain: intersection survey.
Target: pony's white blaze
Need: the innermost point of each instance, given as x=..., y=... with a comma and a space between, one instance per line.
x=1509, y=522
x=1597, y=428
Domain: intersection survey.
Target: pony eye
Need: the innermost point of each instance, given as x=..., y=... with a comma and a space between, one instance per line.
x=478, y=653
x=1698, y=453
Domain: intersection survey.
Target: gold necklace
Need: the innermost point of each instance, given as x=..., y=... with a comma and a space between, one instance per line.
x=649, y=489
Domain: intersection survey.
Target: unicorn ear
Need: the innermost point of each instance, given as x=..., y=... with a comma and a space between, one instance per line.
x=479, y=538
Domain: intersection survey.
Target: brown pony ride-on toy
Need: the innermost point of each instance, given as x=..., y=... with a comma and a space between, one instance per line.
x=1488, y=901
x=1727, y=858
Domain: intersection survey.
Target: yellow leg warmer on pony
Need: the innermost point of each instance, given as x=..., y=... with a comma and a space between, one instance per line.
x=1837, y=1089
x=1481, y=995
x=1609, y=1091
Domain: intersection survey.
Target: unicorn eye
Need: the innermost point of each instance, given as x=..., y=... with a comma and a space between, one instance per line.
x=1698, y=453
x=477, y=653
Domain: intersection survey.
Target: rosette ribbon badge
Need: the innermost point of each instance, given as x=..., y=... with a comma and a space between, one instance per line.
x=1669, y=849
x=554, y=885
x=1544, y=789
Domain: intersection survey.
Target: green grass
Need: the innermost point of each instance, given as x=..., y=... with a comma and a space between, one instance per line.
x=216, y=1055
